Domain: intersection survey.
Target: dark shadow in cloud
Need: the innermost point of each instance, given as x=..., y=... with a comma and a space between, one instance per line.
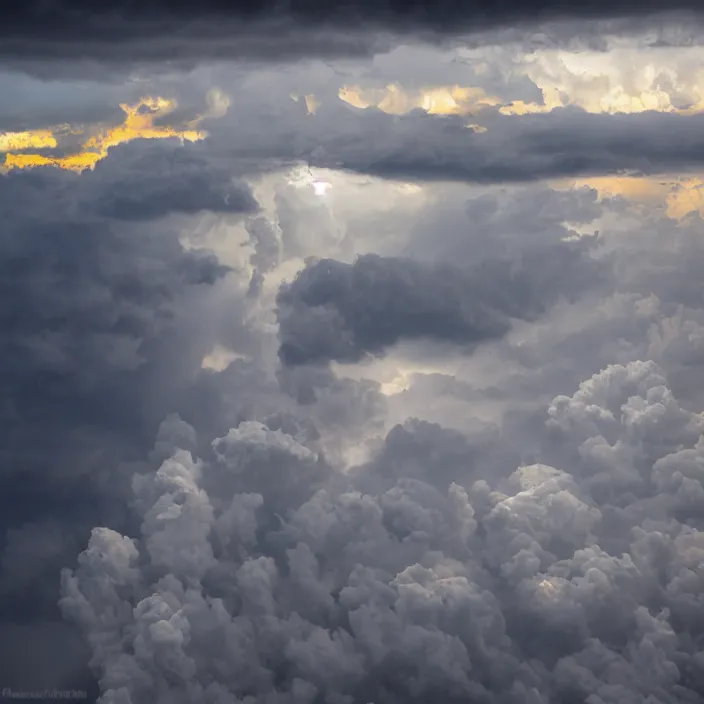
x=345, y=312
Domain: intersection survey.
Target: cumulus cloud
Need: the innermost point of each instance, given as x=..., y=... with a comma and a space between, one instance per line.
x=549, y=584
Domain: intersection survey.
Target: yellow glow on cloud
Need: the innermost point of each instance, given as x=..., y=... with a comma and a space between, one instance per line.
x=437, y=100
x=33, y=139
x=458, y=100
x=628, y=80
x=219, y=359
x=633, y=188
x=687, y=198
x=312, y=103
x=681, y=196
x=402, y=381
x=622, y=80
x=611, y=104
x=139, y=123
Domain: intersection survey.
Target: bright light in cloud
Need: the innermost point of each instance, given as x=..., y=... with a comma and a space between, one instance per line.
x=139, y=123
x=219, y=359
x=320, y=187
x=308, y=177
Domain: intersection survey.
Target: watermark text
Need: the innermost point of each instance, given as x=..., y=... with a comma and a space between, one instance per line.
x=65, y=694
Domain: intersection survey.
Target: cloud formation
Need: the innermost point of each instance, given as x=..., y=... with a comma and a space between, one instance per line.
x=428, y=420
x=104, y=322
x=140, y=122
x=336, y=311
x=512, y=149
x=72, y=20
x=69, y=37
x=546, y=586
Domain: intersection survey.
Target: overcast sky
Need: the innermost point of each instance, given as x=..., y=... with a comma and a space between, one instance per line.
x=352, y=354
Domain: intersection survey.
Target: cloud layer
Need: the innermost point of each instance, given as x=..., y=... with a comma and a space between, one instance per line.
x=36, y=19
x=157, y=32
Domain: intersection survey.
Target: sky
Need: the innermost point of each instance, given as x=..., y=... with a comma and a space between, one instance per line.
x=352, y=353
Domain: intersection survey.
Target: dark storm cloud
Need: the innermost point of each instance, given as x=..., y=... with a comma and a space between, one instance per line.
x=75, y=20
x=565, y=142
x=344, y=312
x=255, y=569
x=129, y=33
x=146, y=181
x=80, y=309
x=105, y=322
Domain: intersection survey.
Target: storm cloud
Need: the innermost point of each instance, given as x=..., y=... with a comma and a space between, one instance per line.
x=514, y=148
x=92, y=311
x=267, y=29
x=429, y=589
x=336, y=311
x=350, y=377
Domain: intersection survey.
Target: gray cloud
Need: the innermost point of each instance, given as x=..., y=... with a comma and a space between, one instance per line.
x=29, y=103
x=433, y=570
x=543, y=585
x=515, y=149
x=266, y=130
x=342, y=312
x=106, y=320
x=152, y=31
x=148, y=181
x=422, y=147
